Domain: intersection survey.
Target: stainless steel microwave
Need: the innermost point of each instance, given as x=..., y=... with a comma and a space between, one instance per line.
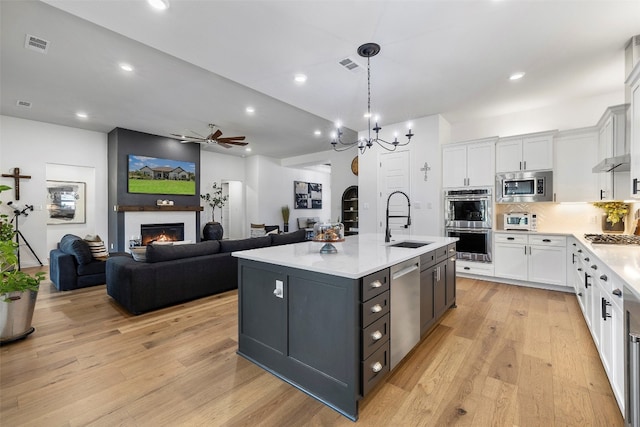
x=524, y=187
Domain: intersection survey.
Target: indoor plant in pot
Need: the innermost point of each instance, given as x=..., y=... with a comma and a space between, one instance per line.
x=615, y=213
x=213, y=230
x=18, y=290
x=285, y=218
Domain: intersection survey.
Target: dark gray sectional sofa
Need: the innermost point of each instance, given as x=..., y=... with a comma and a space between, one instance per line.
x=179, y=273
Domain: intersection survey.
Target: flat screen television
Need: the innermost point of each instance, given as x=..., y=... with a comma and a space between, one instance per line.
x=151, y=175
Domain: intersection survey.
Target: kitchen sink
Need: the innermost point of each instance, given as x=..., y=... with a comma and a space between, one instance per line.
x=410, y=244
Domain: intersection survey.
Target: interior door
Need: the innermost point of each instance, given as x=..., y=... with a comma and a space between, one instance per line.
x=394, y=175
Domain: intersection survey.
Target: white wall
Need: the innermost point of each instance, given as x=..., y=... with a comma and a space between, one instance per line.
x=31, y=146
x=426, y=196
x=578, y=113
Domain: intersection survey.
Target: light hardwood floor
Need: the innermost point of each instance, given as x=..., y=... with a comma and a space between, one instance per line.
x=506, y=356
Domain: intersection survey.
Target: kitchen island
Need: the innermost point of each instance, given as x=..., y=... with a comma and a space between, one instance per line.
x=333, y=325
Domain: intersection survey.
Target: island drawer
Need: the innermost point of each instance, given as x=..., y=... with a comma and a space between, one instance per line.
x=374, y=284
x=427, y=260
x=375, y=368
x=442, y=254
x=374, y=309
x=374, y=335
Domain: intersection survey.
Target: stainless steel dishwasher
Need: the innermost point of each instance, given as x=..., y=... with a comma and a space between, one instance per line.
x=405, y=309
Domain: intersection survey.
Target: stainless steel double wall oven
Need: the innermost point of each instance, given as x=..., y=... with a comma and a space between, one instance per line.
x=468, y=216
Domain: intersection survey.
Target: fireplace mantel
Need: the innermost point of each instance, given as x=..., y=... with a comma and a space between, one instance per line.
x=158, y=208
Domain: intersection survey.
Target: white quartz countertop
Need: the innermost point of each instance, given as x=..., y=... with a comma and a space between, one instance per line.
x=357, y=256
x=623, y=260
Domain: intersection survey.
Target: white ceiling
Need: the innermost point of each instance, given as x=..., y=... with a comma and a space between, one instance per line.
x=205, y=61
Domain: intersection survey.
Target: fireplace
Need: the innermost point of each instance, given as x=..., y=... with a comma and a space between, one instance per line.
x=172, y=232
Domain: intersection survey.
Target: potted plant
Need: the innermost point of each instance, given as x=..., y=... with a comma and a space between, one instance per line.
x=18, y=290
x=285, y=218
x=615, y=214
x=213, y=230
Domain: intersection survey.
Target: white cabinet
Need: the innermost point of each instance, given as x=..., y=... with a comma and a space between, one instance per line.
x=576, y=153
x=469, y=164
x=612, y=141
x=634, y=174
x=537, y=258
x=525, y=152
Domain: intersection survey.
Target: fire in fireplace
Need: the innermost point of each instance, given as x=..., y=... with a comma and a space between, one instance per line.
x=161, y=232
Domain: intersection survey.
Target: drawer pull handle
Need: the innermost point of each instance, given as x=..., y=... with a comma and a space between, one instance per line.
x=511, y=238
x=579, y=251
x=546, y=240
x=452, y=250
x=376, y=335
x=604, y=278
x=466, y=268
x=586, y=259
x=375, y=284
x=595, y=267
x=376, y=367
x=376, y=308
x=617, y=292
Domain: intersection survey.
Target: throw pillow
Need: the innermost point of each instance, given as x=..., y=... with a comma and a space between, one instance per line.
x=97, y=247
x=74, y=245
x=139, y=253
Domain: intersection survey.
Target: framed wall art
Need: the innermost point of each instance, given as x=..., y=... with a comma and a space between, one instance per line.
x=66, y=202
x=307, y=195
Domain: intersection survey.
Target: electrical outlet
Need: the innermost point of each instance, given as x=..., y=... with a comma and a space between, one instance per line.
x=594, y=219
x=365, y=206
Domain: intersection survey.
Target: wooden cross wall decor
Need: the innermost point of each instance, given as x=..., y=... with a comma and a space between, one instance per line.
x=16, y=179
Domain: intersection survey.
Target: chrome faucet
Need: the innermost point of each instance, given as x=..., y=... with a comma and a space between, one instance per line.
x=387, y=234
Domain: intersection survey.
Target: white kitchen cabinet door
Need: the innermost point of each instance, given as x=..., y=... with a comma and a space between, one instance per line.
x=617, y=356
x=510, y=261
x=605, y=150
x=454, y=166
x=537, y=152
x=576, y=154
x=635, y=137
x=509, y=155
x=547, y=264
x=481, y=165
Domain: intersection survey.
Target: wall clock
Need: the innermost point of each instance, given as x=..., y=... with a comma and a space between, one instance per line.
x=354, y=165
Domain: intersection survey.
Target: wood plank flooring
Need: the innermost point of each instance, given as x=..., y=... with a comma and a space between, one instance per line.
x=507, y=356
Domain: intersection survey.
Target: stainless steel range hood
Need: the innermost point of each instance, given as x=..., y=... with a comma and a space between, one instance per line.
x=620, y=163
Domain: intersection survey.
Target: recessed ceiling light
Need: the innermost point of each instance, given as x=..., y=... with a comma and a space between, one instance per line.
x=247, y=149
x=159, y=4
x=317, y=132
x=367, y=115
x=300, y=78
x=81, y=115
x=516, y=76
x=126, y=67
x=250, y=110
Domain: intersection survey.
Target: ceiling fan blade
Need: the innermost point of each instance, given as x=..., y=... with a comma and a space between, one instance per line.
x=217, y=134
x=232, y=138
x=237, y=143
x=224, y=144
x=185, y=136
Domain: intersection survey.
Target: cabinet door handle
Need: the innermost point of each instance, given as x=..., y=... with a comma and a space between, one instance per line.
x=617, y=292
x=586, y=280
x=635, y=186
x=376, y=335
x=573, y=258
x=525, y=165
x=375, y=284
x=376, y=308
x=520, y=166
x=376, y=367
x=605, y=304
x=601, y=194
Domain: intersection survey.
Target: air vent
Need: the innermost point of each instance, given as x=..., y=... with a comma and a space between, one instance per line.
x=350, y=64
x=23, y=104
x=36, y=43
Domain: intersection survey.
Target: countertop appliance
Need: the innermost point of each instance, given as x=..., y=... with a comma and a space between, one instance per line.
x=405, y=309
x=613, y=239
x=632, y=358
x=524, y=187
x=520, y=221
x=468, y=216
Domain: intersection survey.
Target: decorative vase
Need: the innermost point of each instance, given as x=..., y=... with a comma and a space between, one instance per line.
x=616, y=228
x=16, y=315
x=212, y=231
x=285, y=227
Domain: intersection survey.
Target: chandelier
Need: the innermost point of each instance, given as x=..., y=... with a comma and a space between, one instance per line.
x=368, y=50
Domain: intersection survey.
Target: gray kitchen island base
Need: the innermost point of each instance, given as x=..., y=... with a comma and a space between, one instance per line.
x=329, y=335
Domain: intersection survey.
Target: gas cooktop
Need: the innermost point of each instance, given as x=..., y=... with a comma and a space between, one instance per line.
x=613, y=239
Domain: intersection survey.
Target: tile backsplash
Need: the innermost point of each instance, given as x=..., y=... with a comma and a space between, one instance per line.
x=564, y=217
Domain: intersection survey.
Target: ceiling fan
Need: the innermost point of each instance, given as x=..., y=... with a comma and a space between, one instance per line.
x=215, y=137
